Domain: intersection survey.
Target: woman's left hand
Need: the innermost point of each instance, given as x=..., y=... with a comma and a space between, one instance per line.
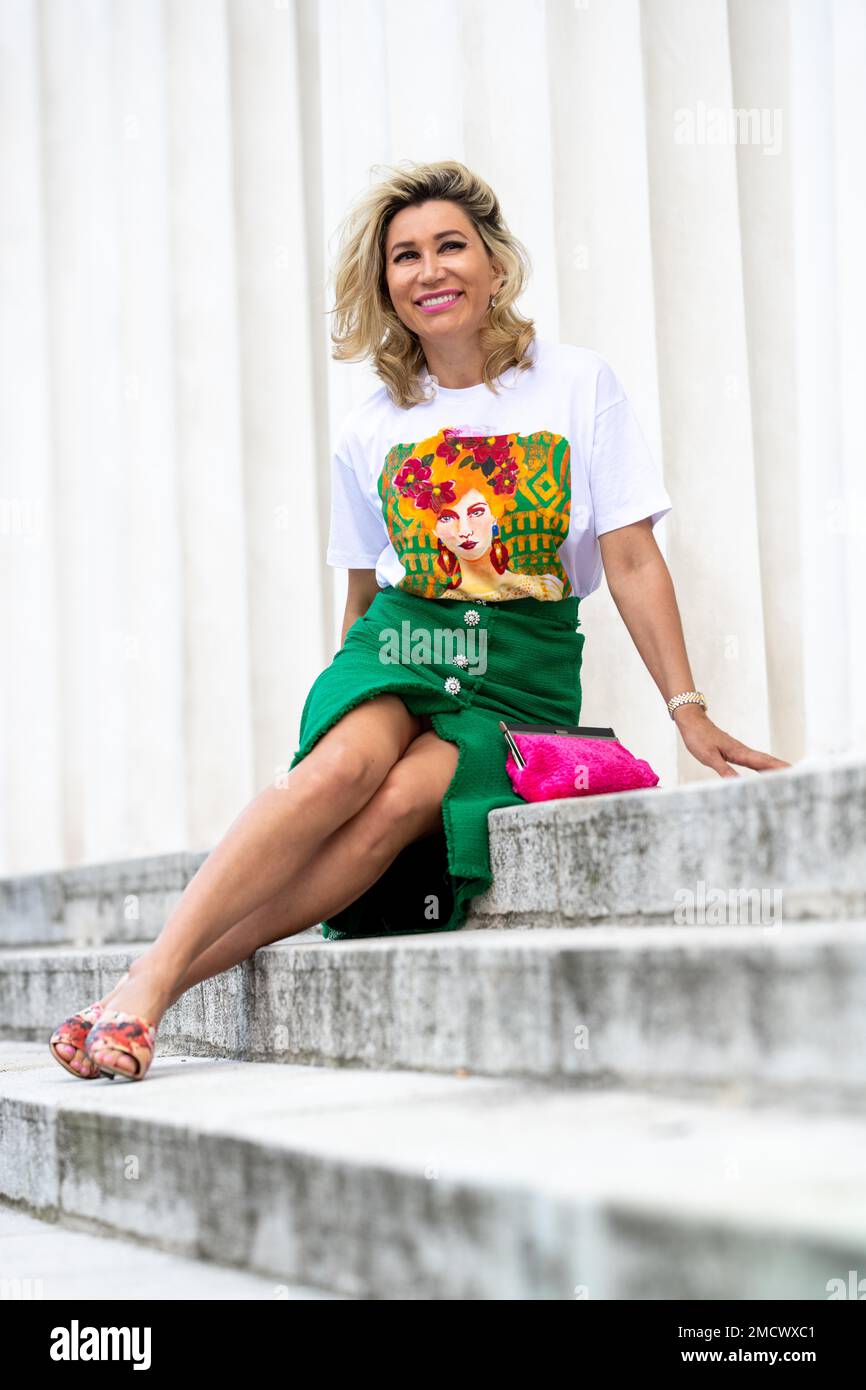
x=711, y=745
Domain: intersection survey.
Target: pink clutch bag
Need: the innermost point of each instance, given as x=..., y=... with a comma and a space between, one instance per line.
x=545, y=762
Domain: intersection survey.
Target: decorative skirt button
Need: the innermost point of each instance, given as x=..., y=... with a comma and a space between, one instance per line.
x=452, y=685
x=472, y=617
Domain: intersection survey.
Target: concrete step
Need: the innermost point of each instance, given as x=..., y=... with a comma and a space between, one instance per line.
x=48, y=1260
x=123, y=900
x=787, y=845
x=406, y=1185
x=798, y=836
x=775, y=1012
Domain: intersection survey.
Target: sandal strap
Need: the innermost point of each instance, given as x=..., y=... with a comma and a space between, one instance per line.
x=74, y=1030
x=123, y=1032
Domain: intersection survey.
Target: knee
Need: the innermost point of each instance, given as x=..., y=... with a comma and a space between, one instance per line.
x=340, y=769
x=400, y=811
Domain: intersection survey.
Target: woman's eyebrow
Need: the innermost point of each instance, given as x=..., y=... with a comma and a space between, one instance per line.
x=453, y=232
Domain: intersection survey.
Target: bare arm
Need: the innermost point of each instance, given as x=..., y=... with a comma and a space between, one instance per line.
x=361, y=592
x=642, y=589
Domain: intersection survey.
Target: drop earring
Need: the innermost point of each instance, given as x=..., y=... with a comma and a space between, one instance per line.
x=448, y=563
x=498, y=552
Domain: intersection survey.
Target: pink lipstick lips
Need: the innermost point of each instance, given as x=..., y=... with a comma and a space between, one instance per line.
x=433, y=308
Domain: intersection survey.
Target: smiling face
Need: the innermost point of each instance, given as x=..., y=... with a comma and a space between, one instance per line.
x=465, y=527
x=431, y=251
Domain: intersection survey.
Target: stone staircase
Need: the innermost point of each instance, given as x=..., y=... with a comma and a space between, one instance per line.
x=637, y=1073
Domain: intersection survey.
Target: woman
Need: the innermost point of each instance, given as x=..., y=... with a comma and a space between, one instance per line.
x=492, y=469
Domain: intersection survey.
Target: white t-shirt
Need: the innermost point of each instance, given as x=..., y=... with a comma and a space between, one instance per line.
x=473, y=495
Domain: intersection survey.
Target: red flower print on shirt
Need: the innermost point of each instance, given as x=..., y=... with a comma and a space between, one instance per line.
x=436, y=496
x=448, y=449
x=493, y=450
x=412, y=477
x=505, y=478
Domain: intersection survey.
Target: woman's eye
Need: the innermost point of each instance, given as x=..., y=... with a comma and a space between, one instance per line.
x=459, y=245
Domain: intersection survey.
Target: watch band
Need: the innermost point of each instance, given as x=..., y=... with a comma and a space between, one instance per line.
x=688, y=697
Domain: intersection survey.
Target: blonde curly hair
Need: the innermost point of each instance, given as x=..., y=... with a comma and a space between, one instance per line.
x=366, y=325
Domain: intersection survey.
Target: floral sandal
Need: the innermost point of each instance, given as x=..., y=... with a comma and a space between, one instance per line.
x=122, y=1032
x=73, y=1032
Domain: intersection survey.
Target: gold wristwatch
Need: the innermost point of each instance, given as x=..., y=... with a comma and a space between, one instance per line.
x=688, y=697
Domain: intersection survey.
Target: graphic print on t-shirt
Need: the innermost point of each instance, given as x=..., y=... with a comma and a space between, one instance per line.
x=479, y=516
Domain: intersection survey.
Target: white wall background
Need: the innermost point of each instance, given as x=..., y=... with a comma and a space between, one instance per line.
x=172, y=175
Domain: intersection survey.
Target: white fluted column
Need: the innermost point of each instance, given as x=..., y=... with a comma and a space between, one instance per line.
x=703, y=367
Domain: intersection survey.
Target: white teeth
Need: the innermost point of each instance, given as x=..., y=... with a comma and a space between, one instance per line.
x=441, y=299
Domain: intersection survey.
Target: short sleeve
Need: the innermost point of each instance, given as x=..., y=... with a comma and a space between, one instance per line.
x=357, y=535
x=625, y=483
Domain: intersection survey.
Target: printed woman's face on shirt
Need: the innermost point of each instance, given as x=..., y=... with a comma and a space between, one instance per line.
x=466, y=526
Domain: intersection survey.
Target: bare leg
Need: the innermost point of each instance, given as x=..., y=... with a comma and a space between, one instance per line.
x=407, y=807
x=277, y=842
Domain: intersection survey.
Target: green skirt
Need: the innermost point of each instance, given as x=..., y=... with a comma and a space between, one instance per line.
x=517, y=660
